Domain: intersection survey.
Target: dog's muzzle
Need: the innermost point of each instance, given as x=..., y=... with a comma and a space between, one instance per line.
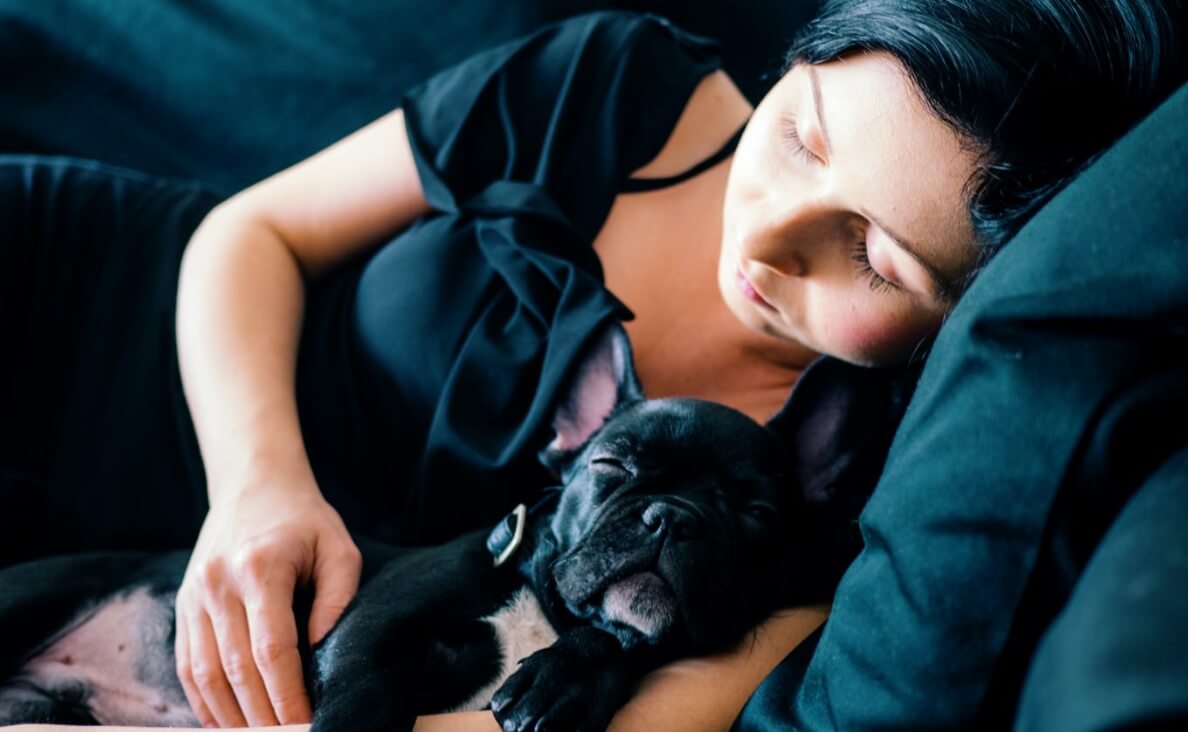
x=616, y=572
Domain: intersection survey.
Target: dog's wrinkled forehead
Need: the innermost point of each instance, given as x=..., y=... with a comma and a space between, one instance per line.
x=657, y=433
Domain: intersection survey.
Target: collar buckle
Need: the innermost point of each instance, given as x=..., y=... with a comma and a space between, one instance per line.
x=508, y=535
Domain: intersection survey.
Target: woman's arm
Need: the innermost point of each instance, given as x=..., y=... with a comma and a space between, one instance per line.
x=691, y=695
x=709, y=693
x=239, y=314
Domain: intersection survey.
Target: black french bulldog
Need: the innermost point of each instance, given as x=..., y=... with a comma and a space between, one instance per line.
x=680, y=524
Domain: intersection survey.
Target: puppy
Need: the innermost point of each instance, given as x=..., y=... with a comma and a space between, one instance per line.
x=678, y=526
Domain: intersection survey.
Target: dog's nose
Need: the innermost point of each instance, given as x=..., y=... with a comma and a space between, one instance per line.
x=665, y=518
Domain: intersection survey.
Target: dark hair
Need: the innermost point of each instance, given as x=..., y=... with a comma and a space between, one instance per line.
x=1038, y=87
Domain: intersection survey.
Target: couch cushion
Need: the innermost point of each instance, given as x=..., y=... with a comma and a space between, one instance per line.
x=1057, y=384
x=1114, y=658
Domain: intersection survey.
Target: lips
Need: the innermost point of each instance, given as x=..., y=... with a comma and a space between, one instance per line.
x=748, y=290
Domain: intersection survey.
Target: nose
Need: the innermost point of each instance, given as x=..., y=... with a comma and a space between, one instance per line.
x=787, y=235
x=664, y=518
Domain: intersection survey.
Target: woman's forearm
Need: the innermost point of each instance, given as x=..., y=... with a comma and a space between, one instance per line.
x=241, y=292
x=708, y=693
x=240, y=303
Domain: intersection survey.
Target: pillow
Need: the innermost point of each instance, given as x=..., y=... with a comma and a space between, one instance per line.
x=1114, y=657
x=1058, y=383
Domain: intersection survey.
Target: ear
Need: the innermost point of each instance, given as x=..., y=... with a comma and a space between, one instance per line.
x=840, y=420
x=603, y=380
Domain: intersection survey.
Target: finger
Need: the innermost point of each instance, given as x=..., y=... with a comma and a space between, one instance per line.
x=209, y=676
x=181, y=650
x=273, y=630
x=239, y=664
x=336, y=580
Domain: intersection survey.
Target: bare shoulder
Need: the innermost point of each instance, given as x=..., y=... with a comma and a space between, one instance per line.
x=715, y=111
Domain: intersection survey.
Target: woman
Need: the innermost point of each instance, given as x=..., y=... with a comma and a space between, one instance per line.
x=905, y=144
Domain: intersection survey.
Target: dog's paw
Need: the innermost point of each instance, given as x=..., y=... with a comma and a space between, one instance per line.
x=575, y=685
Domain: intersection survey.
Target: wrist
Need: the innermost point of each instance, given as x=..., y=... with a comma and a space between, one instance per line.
x=289, y=476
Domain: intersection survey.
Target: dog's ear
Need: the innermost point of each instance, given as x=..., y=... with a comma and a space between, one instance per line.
x=603, y=380
x=839, y=421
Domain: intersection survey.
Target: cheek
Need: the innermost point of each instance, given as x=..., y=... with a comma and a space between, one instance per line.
x=734, y=201
x=881, y=336
x=567, y=523
x=753, y=170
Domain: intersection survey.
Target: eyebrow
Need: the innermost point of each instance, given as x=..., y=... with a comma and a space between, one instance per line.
x=816, y=85
x=945, y=289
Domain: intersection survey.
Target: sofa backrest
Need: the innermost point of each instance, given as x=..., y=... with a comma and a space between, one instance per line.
x=227, y=91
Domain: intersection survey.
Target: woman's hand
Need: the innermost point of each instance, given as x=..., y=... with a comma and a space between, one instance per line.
x=236, y=643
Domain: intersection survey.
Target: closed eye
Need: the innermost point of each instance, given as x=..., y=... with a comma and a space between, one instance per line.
x=794, y=144
x=760, y=511
x=608, y=464
x=861, y=257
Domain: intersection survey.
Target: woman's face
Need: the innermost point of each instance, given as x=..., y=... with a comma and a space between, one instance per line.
x=845, y=225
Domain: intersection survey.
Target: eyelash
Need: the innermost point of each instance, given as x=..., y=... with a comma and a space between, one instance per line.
x=793, y=143
x=877, y=282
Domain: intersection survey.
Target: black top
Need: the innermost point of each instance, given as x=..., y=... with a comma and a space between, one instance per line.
x=427, y=370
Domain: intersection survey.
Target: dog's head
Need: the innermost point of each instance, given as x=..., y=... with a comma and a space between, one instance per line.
x=683, y=522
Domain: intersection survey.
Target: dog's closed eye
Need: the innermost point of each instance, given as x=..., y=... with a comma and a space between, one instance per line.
x=761, y=511
x=609, y=464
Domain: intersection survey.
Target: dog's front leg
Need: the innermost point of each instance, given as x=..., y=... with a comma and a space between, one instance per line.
x=577, y=684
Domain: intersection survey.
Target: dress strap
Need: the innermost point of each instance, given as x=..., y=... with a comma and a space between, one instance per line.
x=640, y=185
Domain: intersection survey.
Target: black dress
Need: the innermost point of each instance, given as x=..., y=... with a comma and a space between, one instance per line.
x=427, y=369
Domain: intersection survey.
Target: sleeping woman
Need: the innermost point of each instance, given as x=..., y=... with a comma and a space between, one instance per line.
x=372, y=339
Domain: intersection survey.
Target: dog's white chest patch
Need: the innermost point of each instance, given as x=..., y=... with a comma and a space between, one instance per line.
x=119, y=660
x=521, y=629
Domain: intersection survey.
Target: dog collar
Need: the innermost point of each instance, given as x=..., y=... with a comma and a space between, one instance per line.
x=507, y=535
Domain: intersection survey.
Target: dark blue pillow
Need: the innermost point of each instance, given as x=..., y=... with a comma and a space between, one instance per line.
x=1058, y=384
